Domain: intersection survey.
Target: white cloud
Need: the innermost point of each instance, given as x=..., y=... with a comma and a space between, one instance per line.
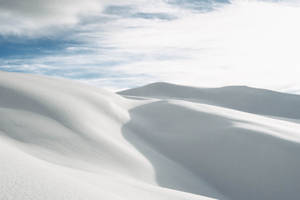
x=41, y=17
x=253, y=43
x=248, y=42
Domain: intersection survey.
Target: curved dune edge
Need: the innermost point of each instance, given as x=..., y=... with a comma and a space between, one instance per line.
x=64, y=140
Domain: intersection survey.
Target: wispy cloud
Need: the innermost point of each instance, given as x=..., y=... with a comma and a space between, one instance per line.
x=202, y=43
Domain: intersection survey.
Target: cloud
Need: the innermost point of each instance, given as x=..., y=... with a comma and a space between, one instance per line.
x=253, y=43
x=32, y=17
x=247, y=42
x=131, y=12
x=198, y=6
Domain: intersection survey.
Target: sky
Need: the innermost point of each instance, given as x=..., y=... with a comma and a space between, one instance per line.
x=118, y=44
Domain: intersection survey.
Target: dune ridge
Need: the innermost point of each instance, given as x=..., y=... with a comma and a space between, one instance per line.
x=63, y=140
x=243, y=98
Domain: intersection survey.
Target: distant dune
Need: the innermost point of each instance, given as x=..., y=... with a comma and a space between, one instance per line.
x=63, y=140
x=243, y=98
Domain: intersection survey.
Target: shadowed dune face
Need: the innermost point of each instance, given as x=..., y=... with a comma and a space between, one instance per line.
x=62, y=140
x=240, y=163
x=252, y=100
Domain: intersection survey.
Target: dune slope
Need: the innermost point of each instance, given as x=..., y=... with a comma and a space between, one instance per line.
x=243, y=98
x=64, y=140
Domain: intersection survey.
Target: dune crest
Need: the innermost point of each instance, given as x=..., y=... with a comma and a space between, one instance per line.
x=63, y=140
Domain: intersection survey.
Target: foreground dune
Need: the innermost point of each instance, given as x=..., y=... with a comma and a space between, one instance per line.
x=63, y=140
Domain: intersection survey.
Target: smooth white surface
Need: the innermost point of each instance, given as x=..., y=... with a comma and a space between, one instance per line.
x=64, y=140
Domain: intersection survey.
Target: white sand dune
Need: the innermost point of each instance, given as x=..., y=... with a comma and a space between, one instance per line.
x=243, y=98
x=63, y=140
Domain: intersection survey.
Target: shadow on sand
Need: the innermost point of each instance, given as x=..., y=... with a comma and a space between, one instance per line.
x=190, y=148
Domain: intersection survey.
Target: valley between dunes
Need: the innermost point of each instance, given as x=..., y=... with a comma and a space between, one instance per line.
x=63, y=140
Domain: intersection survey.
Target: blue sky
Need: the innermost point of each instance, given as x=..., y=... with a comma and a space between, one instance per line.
x=120, y=44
